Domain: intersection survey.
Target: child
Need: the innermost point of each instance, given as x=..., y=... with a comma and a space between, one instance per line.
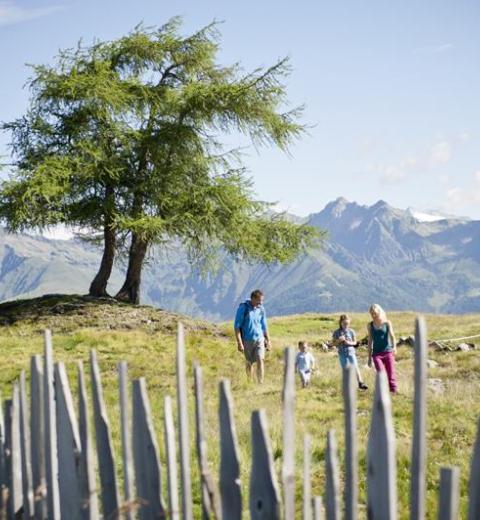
x=304, y=363
x=344, y=338
x=382, y=345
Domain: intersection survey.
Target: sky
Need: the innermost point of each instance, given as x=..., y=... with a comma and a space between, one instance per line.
x=391, y=89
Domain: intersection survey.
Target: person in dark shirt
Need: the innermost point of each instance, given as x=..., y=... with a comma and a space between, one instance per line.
x=382, y=345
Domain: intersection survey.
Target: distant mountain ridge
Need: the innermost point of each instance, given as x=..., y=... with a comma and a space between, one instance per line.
x=373, y=253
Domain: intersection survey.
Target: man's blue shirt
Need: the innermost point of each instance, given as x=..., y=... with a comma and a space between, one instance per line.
x=252, y=321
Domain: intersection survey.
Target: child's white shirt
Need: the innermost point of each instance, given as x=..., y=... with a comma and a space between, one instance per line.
x=304, y=361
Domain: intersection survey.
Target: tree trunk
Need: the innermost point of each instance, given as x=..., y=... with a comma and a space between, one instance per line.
x=130, y=291
x=98, y=287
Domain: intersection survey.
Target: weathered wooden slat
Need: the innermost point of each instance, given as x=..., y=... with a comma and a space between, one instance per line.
x=106, y=460
x=209, y=492
x=87, y=481
x=230, y=483
x=68, y=447
x=318, y=513
x=351, y=463
x=474, y=487
x=27, y=489
x=16, y=495
x=126, y=441
x=307, y=482
x=172, y=474
x=288, y=465
x=37, y=436
x=51, y=460
x=7, y=509
x=264, y=489
x=332, y=487
x=182, y=399
x=381, y=463
x=449, y=499
x=419, y=442
x=3, y=465
x=145, y=454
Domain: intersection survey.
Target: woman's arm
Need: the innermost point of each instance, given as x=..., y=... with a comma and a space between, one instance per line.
x=392, y=337
x=370, y=345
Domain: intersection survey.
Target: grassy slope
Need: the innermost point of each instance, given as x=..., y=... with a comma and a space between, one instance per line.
x=150, y=353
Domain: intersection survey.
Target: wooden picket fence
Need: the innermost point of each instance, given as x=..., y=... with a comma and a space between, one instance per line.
x=48, y=463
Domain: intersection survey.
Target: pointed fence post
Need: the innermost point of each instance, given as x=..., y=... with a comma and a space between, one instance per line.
x=419, y=444
x=16, y=495
x=106, y=461
x=449, y=499
x=126, y=441
x=381, y=463
x=210, y=498
x=332, y=488
x=37, y=437
x=474, y=487
x=288, y=467
x=230, y=483
x=68, y=447
x=88, y=484
x=145, y=454
x=182, y=399
x=7, y=509
x=264, y=489
x=3, y=465
x=51, y=459
x=307, y=482
x=318, y=513
x=173, y=502
x=351, y=463
x=27, y=488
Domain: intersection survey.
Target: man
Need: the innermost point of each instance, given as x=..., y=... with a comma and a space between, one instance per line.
x=252, y=334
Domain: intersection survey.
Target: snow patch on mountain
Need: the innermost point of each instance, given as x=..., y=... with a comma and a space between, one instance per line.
x=432, y=215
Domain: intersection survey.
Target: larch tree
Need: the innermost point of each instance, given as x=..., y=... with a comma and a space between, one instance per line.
x=124, y=138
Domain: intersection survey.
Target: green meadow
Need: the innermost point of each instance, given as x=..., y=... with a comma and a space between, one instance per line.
x=453, y=410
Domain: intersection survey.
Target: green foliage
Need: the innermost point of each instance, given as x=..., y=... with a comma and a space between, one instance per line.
x=127, y=134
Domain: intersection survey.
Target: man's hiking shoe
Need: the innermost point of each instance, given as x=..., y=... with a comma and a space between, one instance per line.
x=362, y=386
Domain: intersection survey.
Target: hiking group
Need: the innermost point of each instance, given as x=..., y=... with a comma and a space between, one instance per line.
x=251, y=333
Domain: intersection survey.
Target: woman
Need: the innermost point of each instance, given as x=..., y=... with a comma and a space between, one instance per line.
x=382, y=345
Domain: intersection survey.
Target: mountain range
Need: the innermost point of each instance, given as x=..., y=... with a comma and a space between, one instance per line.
x=398, y=258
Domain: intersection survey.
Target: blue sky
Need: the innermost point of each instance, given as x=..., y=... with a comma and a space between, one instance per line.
x=391, y=89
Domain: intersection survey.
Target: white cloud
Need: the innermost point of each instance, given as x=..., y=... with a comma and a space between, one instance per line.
x=393, y=173
x=466, y=197
x=12, y=13
x=293, y=209
x=440, y=153
x=457, y=198
x=464, y=136
x=443, y=179
x=429, y=50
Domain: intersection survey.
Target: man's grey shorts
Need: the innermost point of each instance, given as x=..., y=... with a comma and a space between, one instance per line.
x=254, y=350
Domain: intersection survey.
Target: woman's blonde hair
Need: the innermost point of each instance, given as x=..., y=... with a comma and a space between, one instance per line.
x=343, y=317
x=379, y=310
